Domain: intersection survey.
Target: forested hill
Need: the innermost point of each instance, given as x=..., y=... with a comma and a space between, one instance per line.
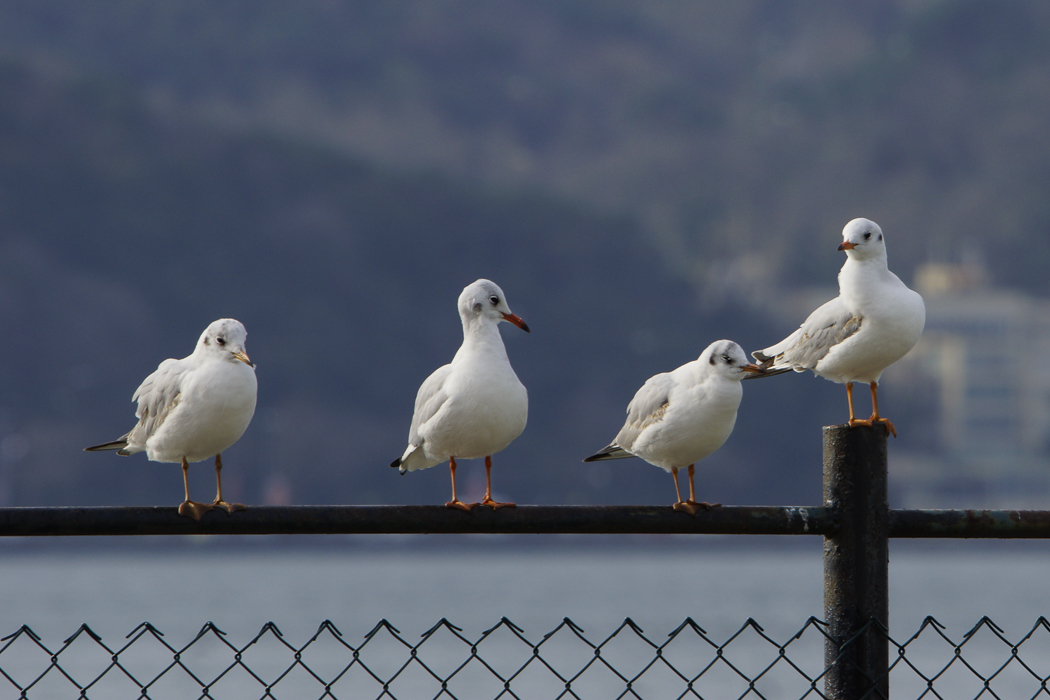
x=741, y=135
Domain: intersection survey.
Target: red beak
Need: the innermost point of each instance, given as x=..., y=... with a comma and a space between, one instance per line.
x=846, y=245
x=516, y=320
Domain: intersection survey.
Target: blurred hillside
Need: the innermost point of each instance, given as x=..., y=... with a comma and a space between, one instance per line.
x=641, y=178
x=740, y=135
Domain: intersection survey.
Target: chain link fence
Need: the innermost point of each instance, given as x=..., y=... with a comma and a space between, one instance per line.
x=503, y=662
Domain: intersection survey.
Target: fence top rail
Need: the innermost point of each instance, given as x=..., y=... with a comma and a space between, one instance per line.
x=988, y=524
x=374, y=520
x=371, y=520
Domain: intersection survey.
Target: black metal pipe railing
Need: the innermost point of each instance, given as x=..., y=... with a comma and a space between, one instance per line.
x=1004, y=524
x=856, y=564
x=371, y=520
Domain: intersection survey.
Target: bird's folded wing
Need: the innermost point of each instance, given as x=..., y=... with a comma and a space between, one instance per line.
x=825, y=328
x=646, y=408
x=158, y=394
x=429, y=399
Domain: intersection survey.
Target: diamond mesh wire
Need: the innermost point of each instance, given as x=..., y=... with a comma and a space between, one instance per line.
x=505, y=663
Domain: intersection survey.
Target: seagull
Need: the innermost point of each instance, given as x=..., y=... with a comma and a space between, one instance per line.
x=194, y=408
x=475, y=406
x=677, y=418
x=873, y=322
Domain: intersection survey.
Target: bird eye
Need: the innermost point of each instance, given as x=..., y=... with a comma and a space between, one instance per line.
x=867, y=235
x=725, y=358
x=220, y=340
x=494, y=299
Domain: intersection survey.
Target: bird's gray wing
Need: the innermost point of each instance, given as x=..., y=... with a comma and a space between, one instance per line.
x=157, y=396
x=429, y=399
x=825, y=328
x=646, y=408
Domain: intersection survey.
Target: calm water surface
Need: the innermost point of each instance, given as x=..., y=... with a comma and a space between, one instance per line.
x=180, y=588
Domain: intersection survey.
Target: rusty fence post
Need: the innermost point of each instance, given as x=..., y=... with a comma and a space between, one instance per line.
x=856, y=572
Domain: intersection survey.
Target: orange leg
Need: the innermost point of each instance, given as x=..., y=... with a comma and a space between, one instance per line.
x=487, y=500
x=692, y=493
x=849, y=398
x=875, y=417
x=188, y=508
x=219, y=503
x=680, y=504
x=455, y=502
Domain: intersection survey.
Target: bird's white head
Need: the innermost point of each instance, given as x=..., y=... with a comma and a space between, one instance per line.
x=225, y=338
x=484, y=299
x=862, y=240
x=727, y=359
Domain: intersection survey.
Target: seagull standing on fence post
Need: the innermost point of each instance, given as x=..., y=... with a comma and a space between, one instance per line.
x=677, y=418
x=873, y=322
x=195, y=408
x=475, y=406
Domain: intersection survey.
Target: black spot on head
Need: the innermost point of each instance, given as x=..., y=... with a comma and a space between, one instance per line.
x=477, y=307
x=206, y=341
x=712, y=360
x=880, y=236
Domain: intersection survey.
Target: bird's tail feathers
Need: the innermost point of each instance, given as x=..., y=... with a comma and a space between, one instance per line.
x=413, y=459
x=613, y=451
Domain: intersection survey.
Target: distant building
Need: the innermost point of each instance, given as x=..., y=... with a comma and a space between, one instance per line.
x=978, y=394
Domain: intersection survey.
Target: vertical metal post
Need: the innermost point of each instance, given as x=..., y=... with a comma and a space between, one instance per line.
x=856, y=574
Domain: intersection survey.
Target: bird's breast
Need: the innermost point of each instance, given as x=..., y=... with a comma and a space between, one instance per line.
x=486, y=410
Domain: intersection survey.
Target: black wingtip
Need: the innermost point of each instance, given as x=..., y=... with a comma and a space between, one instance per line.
x=396, y=463
x=114, y=445
x=766, y=373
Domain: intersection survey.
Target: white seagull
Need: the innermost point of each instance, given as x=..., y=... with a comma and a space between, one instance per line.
x=195, y=408
x=873, y=322
x=677, y=418
x=475, y=406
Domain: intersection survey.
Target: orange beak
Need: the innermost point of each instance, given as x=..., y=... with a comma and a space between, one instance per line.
x=243, y=357
x=516, y=320
x=846, y=245
x=753, y=368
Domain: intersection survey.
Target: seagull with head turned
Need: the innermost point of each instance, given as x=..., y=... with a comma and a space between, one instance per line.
x=873, y=322
x=195, y=408
x=474, y=406
x=677, y=418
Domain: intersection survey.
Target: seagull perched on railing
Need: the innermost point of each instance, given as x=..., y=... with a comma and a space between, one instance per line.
x=475, y=406
x=677, y=418
x=195, y=408
x=873, y=322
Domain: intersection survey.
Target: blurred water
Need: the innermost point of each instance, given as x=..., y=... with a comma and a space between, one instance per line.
x=178, y=589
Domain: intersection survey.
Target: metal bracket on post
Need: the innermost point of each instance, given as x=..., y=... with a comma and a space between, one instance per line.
x=856, y=558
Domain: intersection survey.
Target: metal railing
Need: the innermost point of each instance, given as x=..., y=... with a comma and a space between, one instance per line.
x=854, y=521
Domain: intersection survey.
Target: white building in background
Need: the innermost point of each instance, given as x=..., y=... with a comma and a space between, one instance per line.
x=979, y=380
